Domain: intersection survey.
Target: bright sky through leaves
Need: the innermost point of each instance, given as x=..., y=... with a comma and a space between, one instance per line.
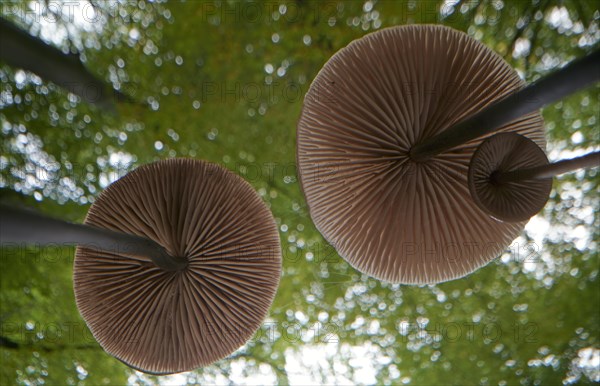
x=224, y=82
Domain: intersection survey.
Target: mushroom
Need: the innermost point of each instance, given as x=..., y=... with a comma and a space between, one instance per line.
x=160, y=321
x=389, y=215
x=510, y=177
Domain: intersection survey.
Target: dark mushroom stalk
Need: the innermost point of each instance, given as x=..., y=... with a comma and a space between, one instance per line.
x=573, y=77
x=25, y=226
x=547, y=171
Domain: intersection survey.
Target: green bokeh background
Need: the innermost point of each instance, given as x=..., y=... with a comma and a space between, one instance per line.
x=224, y=81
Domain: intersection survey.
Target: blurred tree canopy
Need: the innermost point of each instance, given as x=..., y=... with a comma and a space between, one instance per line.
x=224, y=81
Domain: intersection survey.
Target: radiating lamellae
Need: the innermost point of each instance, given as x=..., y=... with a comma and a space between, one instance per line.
x=388, y=216
x=165, y=322
x=510, y=201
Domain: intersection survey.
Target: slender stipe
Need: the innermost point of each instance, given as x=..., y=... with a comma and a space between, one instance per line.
x=569, y=79
x=549, y=170
x=25, y=226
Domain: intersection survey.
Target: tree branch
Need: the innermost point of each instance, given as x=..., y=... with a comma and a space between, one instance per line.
x=21, y=50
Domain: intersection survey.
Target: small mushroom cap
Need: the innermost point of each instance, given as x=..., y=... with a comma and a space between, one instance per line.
x=166, y=322
x=509, y=201
x=391, y=217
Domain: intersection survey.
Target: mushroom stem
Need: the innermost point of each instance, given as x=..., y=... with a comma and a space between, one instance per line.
x=547, y=171
x=25, y=226
x=569, y=79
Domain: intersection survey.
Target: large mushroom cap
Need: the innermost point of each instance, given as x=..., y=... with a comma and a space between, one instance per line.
x=509, y=201
x=165, y=322
x=389, y=216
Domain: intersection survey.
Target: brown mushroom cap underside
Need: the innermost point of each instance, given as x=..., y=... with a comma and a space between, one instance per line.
x=165, y=322
x=388, y=216
x=509, y=201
